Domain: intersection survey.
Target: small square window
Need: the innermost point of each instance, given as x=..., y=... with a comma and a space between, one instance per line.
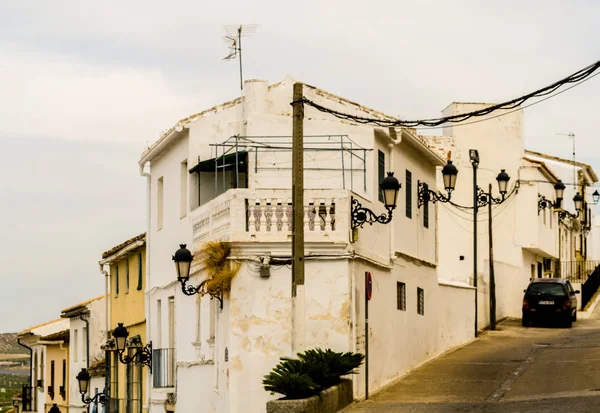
x=421, y=301
x=401, y=296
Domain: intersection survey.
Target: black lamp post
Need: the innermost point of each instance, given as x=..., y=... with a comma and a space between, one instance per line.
x=54, y=409
x=481, y=199
x=544, y=203
x=596, y=196
x=183, y=260
x=360, y=215
x=449, y=173
x=143, y=356
x=84, y=383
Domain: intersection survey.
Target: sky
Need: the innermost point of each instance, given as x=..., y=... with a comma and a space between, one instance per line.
x=86, y=87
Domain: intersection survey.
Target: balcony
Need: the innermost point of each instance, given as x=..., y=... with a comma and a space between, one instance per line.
x=163, y=367
x=265, y=215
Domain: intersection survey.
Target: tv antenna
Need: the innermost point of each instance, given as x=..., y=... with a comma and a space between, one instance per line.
x=571, y=135
x=233, y=37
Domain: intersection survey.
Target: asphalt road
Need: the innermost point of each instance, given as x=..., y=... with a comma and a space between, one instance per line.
x=514, y=369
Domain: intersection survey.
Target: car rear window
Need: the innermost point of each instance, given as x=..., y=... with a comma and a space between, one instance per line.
x=547, y=288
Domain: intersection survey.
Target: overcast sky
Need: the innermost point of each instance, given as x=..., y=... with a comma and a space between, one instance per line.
x=86, y=86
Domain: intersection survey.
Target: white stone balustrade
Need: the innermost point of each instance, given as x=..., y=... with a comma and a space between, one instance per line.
x=265, y=215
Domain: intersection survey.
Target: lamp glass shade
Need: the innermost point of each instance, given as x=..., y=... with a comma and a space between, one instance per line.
x=449, y=173
x=578, y=201
x=390, y=187
x=559, y=188
x=84, y=381
x=596, y=196
x=503, y=179
x=120, y=334
x=183, y=259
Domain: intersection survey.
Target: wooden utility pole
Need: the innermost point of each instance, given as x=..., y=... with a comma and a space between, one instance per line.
x=298, y=324
x=492, y=275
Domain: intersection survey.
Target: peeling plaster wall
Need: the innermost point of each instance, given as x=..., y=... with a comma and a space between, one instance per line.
x=260, y=329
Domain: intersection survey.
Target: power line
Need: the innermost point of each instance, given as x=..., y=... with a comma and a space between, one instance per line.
x=577, y=77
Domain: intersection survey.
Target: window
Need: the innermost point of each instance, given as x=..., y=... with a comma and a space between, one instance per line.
x=140, y=276
x=198, y=318
x=381, y=172
x=64, y=379
x=116, y=279
x=158, y=323
x=401, y=296
x=545, y=212
x=83, y=343
x=211, y=322
x=426, y=214
x=51, y=388
x=171, y=322
x=532, y=271
x=75, y=344
x=408, y=194
x=184, y=189
x=159, y=204
x=127, y=276
x=551, y=217
x=420, y=301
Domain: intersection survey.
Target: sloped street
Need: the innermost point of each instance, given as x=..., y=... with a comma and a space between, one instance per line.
x=515, y=369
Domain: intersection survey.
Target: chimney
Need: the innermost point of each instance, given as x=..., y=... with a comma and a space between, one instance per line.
x=256, y=95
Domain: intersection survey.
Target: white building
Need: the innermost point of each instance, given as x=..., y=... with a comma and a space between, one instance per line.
x=87, y=333
x=528, y=241
x=239, y=191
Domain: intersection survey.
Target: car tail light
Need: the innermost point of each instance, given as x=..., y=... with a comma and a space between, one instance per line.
x=566, y=304
x=525, y=304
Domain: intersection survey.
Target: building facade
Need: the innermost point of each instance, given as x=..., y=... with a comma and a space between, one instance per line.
x=225, y=175
x=124, y=267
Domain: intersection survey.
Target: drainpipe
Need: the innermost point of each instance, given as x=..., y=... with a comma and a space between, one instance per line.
x=148, y=283
x=107, y=358
x=30, y=370
x=83, y=318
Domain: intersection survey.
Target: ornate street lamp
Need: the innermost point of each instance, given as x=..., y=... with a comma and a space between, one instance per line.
x=54, y=409
x=578, y=201
x=360, y=215
x=143, y=356
x=84, y=382
x=449, y=173
x=596, y=196
x=543, y=202
x=481, y=199
x=183, y=260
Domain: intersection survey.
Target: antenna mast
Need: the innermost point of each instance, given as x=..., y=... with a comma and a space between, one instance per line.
x=234, y=38
x=571, y=135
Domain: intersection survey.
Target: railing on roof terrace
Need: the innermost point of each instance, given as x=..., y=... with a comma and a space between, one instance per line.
x=252, y=215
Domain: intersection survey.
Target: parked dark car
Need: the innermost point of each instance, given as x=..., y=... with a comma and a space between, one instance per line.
x=550, y=299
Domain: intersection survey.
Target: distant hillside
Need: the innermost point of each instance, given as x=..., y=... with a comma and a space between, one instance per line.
x=9, y=344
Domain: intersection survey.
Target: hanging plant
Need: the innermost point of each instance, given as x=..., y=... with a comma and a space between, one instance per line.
x=220, y=270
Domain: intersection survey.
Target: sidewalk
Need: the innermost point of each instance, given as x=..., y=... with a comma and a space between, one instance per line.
x=513, y=364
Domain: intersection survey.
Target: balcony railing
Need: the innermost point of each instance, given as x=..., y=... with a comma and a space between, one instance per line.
x=163, y=367
x=265, y=215
x=120, y=406
x=26, y=398
x=576, y=271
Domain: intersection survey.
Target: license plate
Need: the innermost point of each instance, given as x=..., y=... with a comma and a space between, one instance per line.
x=546, y=302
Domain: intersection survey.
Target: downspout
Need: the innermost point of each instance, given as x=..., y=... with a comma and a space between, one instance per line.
x=392, y=232
x=83, y=318
x=147, y=311
x=30, y=373
x=107, y=358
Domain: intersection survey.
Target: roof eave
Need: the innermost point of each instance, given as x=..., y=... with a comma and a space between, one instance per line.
x=122, y=252
x=422, y=147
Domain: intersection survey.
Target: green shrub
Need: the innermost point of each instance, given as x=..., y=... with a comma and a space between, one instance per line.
x=313, y=371
x=327, y=366
x=290, y=378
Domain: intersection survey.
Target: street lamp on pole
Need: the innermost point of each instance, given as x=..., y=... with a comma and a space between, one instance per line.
x=480, y=200
x=143, y=356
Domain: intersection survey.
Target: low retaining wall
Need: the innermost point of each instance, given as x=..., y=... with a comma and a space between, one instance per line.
x=330, y=400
